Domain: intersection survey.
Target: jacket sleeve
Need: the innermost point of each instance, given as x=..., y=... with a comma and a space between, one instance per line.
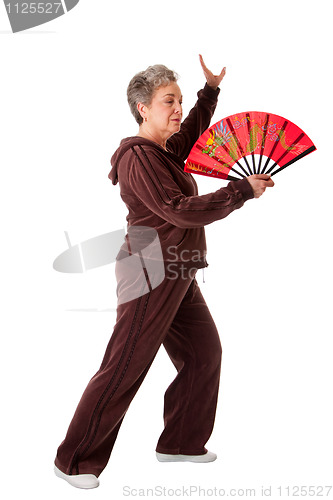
x=152, y=182
x=197, y=121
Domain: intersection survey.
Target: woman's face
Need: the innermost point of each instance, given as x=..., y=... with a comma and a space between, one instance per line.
x=164, y=114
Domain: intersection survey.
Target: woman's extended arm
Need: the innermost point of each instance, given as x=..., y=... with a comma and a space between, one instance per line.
x=155, y=187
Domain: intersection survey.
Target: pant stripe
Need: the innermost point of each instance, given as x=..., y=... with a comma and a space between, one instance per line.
x=78, y=455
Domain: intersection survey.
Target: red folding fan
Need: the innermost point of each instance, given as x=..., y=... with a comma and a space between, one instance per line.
x=263, y=136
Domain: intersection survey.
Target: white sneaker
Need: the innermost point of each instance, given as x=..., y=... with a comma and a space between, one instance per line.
x=207, y=457
x=85, y=481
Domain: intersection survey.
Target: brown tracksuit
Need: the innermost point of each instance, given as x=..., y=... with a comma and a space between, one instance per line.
x=160, y=195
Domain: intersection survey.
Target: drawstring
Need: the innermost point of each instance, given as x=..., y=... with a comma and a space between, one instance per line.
x=203, y=275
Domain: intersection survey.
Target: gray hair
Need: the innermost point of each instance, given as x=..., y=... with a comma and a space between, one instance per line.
x=143, y=85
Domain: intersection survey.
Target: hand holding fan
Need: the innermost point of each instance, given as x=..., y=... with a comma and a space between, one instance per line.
x=263, y=136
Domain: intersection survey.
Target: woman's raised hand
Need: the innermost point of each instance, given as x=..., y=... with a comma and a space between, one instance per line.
x=212, y=80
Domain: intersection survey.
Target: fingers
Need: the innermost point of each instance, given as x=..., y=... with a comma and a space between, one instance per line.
x=204, y=67
x=264, y=177
x=223, y=72
x=259, y=183
x=207, y=71
x=268, y=181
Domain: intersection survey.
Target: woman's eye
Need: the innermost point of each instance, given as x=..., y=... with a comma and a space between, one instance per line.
x=172, y=102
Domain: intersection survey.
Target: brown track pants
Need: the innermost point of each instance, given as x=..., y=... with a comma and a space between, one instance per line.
x=174, y=314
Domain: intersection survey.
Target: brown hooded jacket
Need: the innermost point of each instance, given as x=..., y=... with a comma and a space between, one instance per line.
x=159, y=194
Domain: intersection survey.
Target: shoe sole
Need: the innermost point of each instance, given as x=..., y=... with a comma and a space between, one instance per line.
x=208, y=457
x=83, y=481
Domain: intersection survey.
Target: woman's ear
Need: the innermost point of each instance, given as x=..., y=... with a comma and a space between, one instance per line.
x=142, y=108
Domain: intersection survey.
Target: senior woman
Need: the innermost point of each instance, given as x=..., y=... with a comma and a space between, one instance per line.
x=171, y=310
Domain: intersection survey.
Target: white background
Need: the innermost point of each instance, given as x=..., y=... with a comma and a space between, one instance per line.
x=268, y=285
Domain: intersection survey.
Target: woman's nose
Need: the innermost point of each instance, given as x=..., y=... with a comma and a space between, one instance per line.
x=178, y=108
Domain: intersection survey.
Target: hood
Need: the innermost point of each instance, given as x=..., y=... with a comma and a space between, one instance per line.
x=124, y=146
